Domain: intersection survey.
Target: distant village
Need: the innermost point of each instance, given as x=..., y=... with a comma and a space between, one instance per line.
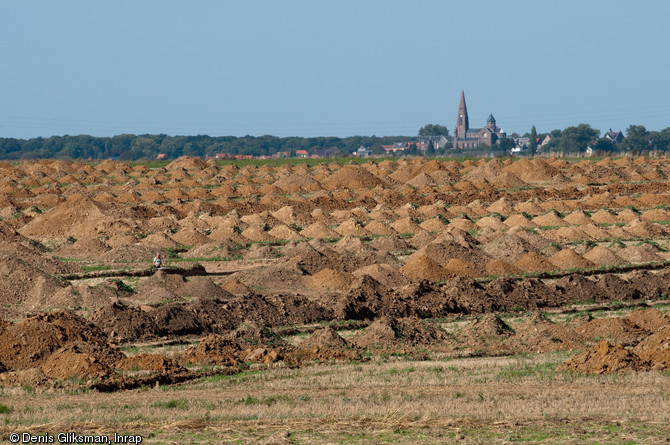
x=485, y=141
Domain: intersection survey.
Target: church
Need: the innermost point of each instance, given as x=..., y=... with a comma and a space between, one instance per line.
x=466, y=137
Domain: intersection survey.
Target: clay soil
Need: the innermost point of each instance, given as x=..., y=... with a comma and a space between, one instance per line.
x=284, y=267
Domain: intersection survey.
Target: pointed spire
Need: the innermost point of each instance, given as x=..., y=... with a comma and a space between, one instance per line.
x=462, y=122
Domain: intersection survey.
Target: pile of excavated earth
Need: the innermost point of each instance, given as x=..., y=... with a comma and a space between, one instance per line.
x=383, y=255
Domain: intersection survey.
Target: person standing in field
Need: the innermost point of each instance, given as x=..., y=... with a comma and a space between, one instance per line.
x=158, y=261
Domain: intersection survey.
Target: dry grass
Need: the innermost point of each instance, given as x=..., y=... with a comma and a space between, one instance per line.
x=475, y=400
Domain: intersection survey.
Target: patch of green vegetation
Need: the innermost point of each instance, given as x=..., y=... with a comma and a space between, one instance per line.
x=517, y=371
x=181, y=404
x=4, y=409
x=400, y=371
x=554, y=245
x=443, y=219
x=617, y=243
x=40, y=246
x=93, y=268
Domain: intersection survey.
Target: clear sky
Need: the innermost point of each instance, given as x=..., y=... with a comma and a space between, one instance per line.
x=329, y=68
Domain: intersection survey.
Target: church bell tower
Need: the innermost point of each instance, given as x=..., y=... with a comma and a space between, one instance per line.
x=462, y=122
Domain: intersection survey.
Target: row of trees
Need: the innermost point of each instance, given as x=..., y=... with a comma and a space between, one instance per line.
x=147, y=146
x=577, y=139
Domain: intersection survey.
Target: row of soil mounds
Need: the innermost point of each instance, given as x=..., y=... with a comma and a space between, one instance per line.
x=368, y=299
x=638, y=342
x=68, y=346
x=58, y=346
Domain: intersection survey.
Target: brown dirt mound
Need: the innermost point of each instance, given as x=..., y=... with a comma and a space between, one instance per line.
x=619, y=330
x=319, y=230
x=656, y=349
x=329, y=279
x=416, y=332
x=460, y=268
x=84, y=247
x=509, y=247
x=605, y=358
x=186, y=163
x=235, y=287
x=421, y=267
x=568, y=259
x=602, y=256
x=215, y=349
x=249, y=333
x=225, y=350
x=642, y=253
x=25, y=284
x=405, y=225
x=421, y=239
x=190, y=236
x=201, y=287
x=491, y=222
x=390, y=244
x=30, y=376
x=70, y=363
x=643, y=229
x=604, y=216
x=351, y=227
x=464, y=295
x=351, y=244
x=384, y=274
x=529, y=293
x=30, y=343
x=442, y=251
x=75, y=217
x=325, y=338
x=498, y=267
x=254, y=233
x=433, y=225
x=549, y=219
x=148, y=362
x=488, y=329
x=297, y=182
x=379, y=334
x=351, y=177
x=594, y=231
x=388, y=332
x=538, y=334
x=173, y=319
x=215, y=315
x=129, y=253
x=379, y=228
x=124, y=323
x=651, y=320
x=532, y=262
x=537, y=170
x=578, y=217
x=283, y=232
x=494, y=172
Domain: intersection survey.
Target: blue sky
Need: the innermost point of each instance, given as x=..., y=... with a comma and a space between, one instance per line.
x=329, y=68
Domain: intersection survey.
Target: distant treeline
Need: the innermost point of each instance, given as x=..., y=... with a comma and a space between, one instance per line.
x=148, y=146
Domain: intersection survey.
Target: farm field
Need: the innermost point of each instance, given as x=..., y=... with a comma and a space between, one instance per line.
x=394, y=301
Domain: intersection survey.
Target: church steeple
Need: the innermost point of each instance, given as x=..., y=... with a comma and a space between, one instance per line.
x=462, y=122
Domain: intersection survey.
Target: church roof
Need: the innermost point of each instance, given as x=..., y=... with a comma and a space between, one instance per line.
x=491, y=118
